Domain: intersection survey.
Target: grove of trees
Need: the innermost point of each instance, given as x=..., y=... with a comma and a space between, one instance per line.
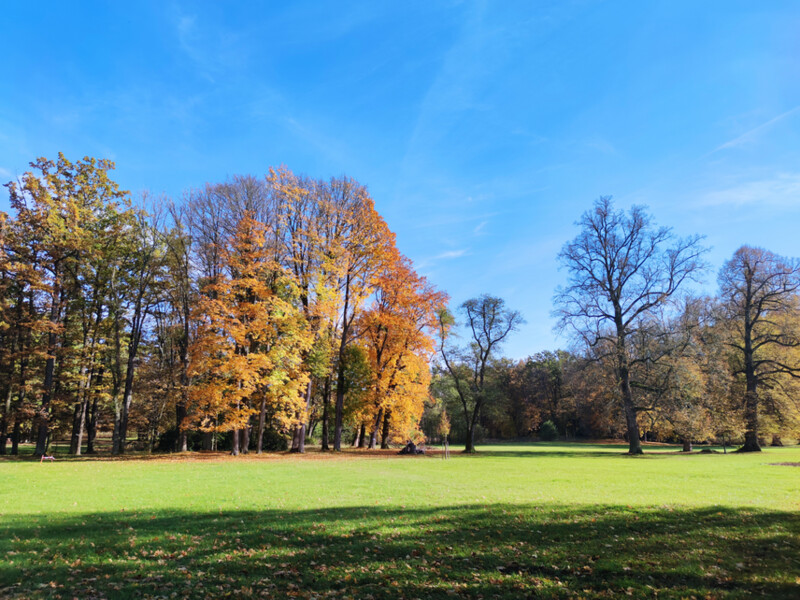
x=650, y=361
x=263, y=312
x=257, y=312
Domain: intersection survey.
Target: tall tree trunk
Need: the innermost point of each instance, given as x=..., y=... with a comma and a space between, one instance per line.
x=83, y=409
x=340, y=368
x=49, y=370
x=5, y=421
x=127, y=395
x=235, y=443
x=15, y=435
x=326, y=401
x=180, y=407
x=76, y=415
x=362, y=435
x=385, y=436
x=469, y=446
x=339, y=411
x=302, y=427
x=262, y=419
x=373, y=438
x=246, y=439
x=115, y=435
x=632, y=425
x=687, y=444
x=295, y=447
x=91, y=434
x=751, y=443
x=182, y=443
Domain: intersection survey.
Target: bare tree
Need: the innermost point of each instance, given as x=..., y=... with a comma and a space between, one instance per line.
x=758, y=290
x=622, y=270
x=488, y=322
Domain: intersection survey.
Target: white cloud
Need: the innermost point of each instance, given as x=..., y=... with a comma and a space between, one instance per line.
x=783, y=190
x=450, y=254
x=752, y=134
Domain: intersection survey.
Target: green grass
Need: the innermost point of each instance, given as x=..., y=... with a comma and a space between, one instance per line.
x=515, y=521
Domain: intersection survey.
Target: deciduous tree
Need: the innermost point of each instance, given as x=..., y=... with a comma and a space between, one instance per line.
x=622, y=269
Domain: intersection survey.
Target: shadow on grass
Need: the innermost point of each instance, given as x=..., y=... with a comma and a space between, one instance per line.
x=500, y=551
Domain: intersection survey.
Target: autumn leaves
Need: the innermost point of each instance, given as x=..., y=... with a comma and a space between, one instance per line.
x=259, y=307
x=296, y=303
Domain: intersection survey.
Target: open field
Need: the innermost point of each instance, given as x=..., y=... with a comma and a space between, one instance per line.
x=515, y=521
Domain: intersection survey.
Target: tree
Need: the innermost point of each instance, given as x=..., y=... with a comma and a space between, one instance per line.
x=54, y=233
x=247, y=354
x=622, y=270
x=397, y=333
x=759, y=292
x=488, y=322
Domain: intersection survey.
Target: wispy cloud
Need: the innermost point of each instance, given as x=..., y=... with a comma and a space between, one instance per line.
x=452, y=218
x=479, y=229
x=783, y=190
x=215, y=51
x=450, y=254
x=430, y=261
x=752, y=134
x=4, y=172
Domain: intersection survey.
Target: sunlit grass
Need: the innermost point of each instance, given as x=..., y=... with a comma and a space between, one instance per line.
x=515, y=521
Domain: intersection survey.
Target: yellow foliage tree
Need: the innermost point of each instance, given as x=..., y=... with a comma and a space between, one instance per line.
x=247, y=353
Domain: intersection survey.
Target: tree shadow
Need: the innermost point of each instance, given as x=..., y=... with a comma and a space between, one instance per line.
x=471, y=551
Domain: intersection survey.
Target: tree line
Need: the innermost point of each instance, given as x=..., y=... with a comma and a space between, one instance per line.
x=262, y=312
x=255, y=313
x=650, y=360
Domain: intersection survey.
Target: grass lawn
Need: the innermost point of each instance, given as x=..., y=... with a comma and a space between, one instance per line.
x=516, y=521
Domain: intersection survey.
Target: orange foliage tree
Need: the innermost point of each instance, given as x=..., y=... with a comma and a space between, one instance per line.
x=397, y=334
x=247, y=353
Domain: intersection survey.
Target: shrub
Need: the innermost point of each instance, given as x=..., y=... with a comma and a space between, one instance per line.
x=548, y=431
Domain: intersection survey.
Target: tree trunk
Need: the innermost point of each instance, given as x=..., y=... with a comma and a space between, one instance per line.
x=127, y=395
x=340, y=368
x=373, y=438
x=302, y=428
x=180, y=408
x=632, y=425
x=362, y=436
x=262, y=420
x=751, y=420
x=5, y=421
x=83, y=409
x=385, y=435
x=115, y=435
x=235, y=443
x=326, y=400
x=15, y=435
x=246, y=439
x=469, y=446
x=295, y=439
x=339, y=412
x=776, y=440
x=687, y=445
x=49, y=370
x=751, y=443
x=180, y=414
x=91, y=434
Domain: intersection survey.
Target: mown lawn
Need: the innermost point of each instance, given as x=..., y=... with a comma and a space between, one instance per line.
x=521, y=521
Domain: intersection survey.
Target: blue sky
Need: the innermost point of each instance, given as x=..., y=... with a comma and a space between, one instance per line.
x=482, y=129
